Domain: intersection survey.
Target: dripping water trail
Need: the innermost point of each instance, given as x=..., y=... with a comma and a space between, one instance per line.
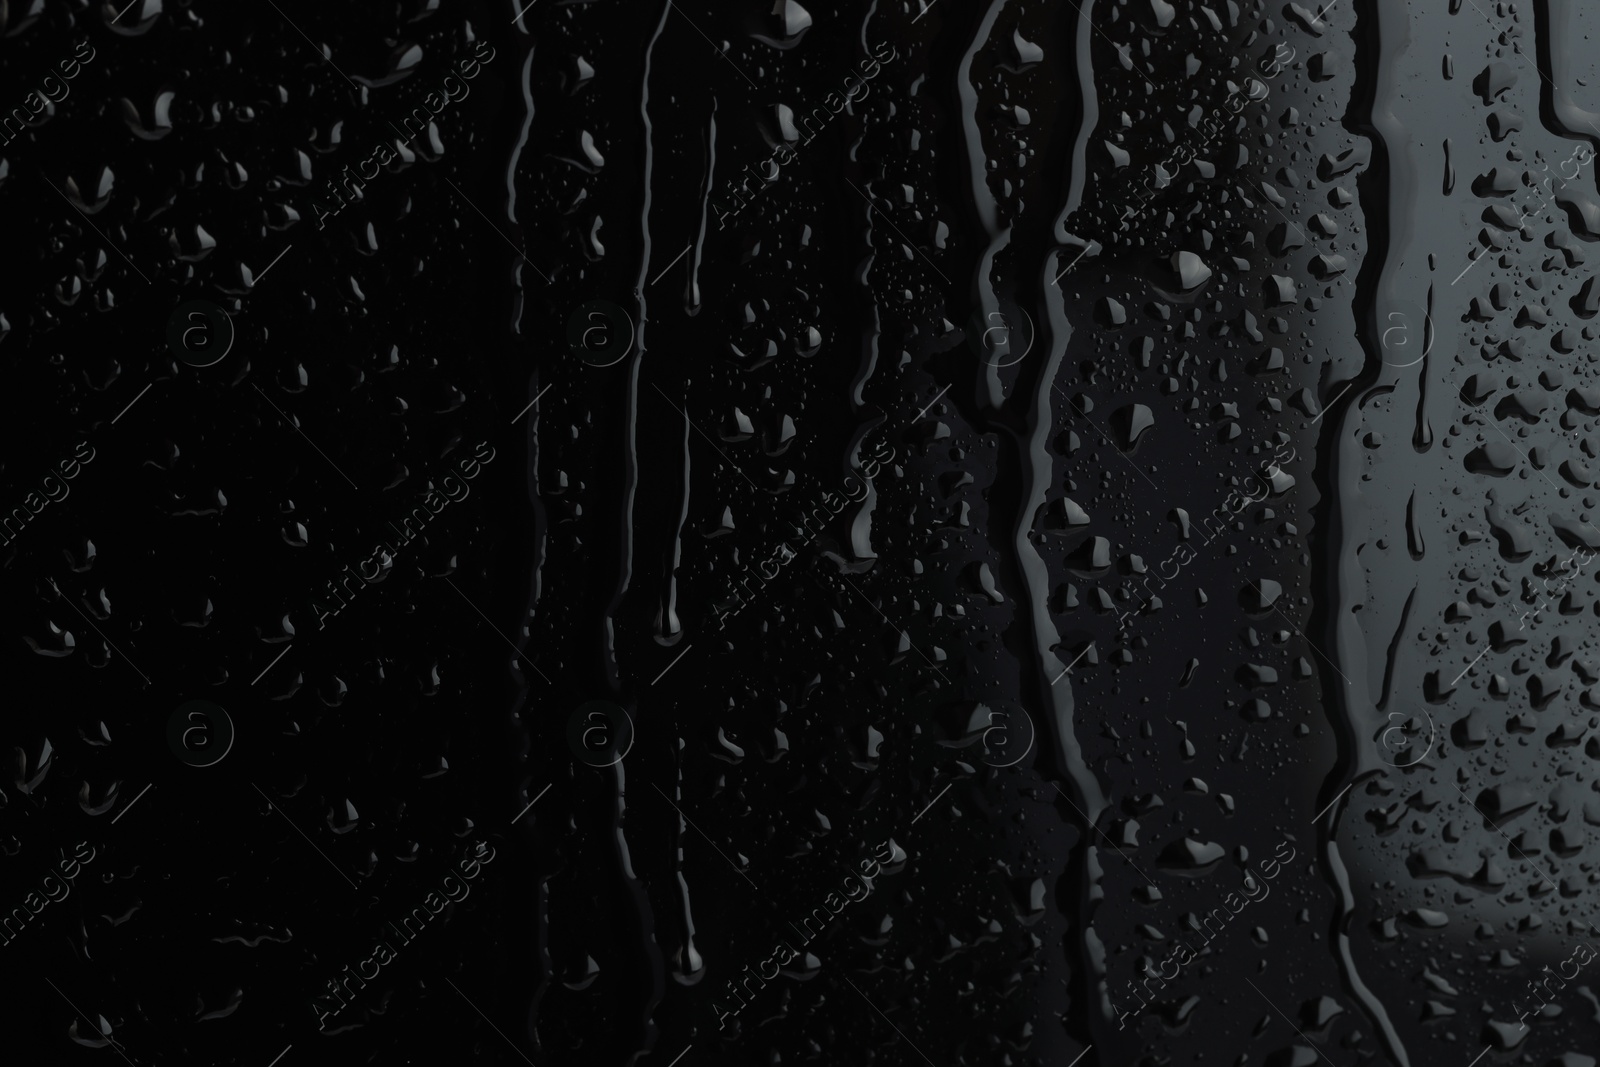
x=1422, y=434
x=636, y=1034
x=1394, y=651
x=1414, y=542
x=1385, y=190
x=1555, y=34
x=691, y=288
x=537, y=527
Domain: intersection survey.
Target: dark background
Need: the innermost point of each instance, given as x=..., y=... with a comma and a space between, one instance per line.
x=1287, y=687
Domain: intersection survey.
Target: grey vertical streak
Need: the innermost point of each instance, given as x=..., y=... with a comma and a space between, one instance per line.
x=520, y=302
x=1339, y=878
x=668, y=628
x=866, y=19
x=691, y=288
x=525, y=83
x=860, y=523
x=1038, y=472
x=689, y=967
x=1350, y=510
x=971, y=130
x=1396, y=273
x=1055, y=690
x=1058, y=695
x=1422, y=433
x=1554, y=21
x=630, y=481
x=1077, y=176
x=1038, y=475
x=648, y=958
x=869, y=343
x=545, y=972
x=541, y=927
x=642, y=1039
x=1394, y=651
x=983, y=202
x=1028, y=419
